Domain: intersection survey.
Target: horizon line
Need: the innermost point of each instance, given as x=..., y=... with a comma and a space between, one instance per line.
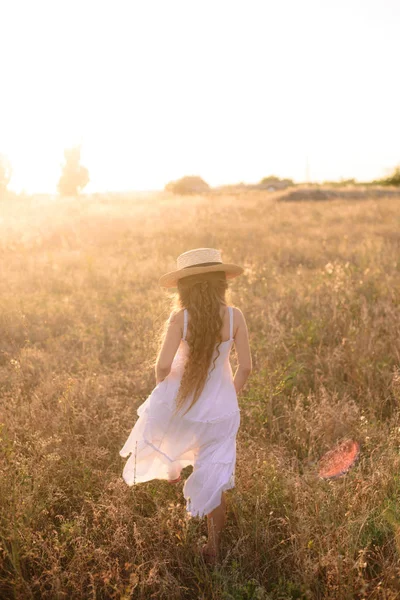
x=211, y=187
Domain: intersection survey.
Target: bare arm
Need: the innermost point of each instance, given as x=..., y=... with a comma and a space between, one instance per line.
x=242, y=347
x=169, y=347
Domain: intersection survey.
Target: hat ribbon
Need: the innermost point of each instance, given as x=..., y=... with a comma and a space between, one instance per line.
x=207, y=264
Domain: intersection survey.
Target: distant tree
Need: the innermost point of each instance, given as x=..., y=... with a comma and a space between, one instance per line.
x=5, y=174
x=74, y=176
x=394, y=178
x=191, y=184
x=272, y=179
x=273, y=183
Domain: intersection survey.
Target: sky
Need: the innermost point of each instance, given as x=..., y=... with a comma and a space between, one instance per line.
x=232, y=91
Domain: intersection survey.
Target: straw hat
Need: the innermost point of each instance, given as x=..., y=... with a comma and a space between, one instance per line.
x=199, y=260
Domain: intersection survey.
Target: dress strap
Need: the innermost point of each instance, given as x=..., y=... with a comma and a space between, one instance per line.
x=230, y=322
x=185, y=321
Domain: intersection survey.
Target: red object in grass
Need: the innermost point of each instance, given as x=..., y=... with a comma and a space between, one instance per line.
x=338, y=461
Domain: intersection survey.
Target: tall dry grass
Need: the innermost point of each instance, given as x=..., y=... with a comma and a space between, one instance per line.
x=80, y=315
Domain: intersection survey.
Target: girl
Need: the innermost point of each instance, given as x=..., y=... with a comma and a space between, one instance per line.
x=192, y=416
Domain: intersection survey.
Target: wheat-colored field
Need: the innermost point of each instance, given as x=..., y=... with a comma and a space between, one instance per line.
x=81, y=312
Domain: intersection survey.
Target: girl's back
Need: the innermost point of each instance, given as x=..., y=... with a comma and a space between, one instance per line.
x=218, y=397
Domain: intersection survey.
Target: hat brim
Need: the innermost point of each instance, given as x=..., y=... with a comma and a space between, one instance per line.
x=171, y=279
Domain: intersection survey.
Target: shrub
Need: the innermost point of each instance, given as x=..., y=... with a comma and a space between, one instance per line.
x=393, y=179
x=275, y=183
x=271, y=179
x=191, y=184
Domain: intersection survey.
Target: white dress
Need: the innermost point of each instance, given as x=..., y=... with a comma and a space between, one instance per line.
x=161, y=444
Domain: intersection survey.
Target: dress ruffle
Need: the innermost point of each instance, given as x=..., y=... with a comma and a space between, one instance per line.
x=162, y=442
x=161, y=445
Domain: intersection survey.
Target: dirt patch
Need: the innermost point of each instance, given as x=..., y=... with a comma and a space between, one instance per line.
x=330, y=194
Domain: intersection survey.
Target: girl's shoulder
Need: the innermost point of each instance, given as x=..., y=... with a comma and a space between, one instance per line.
x=237, y=312
x=238, y=318
x=176, y=317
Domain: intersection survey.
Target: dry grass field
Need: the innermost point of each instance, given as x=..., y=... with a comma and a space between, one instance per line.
x=80, y=315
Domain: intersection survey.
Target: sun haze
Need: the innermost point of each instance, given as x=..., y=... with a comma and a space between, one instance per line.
x=231, y=91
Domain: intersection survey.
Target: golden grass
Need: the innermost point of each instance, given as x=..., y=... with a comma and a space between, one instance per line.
x=80, y=315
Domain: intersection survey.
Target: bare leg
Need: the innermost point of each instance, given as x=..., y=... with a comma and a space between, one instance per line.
x=216, y=520
x=174, y=472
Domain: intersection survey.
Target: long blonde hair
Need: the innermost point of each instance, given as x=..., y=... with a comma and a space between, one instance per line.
x=202, y=296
